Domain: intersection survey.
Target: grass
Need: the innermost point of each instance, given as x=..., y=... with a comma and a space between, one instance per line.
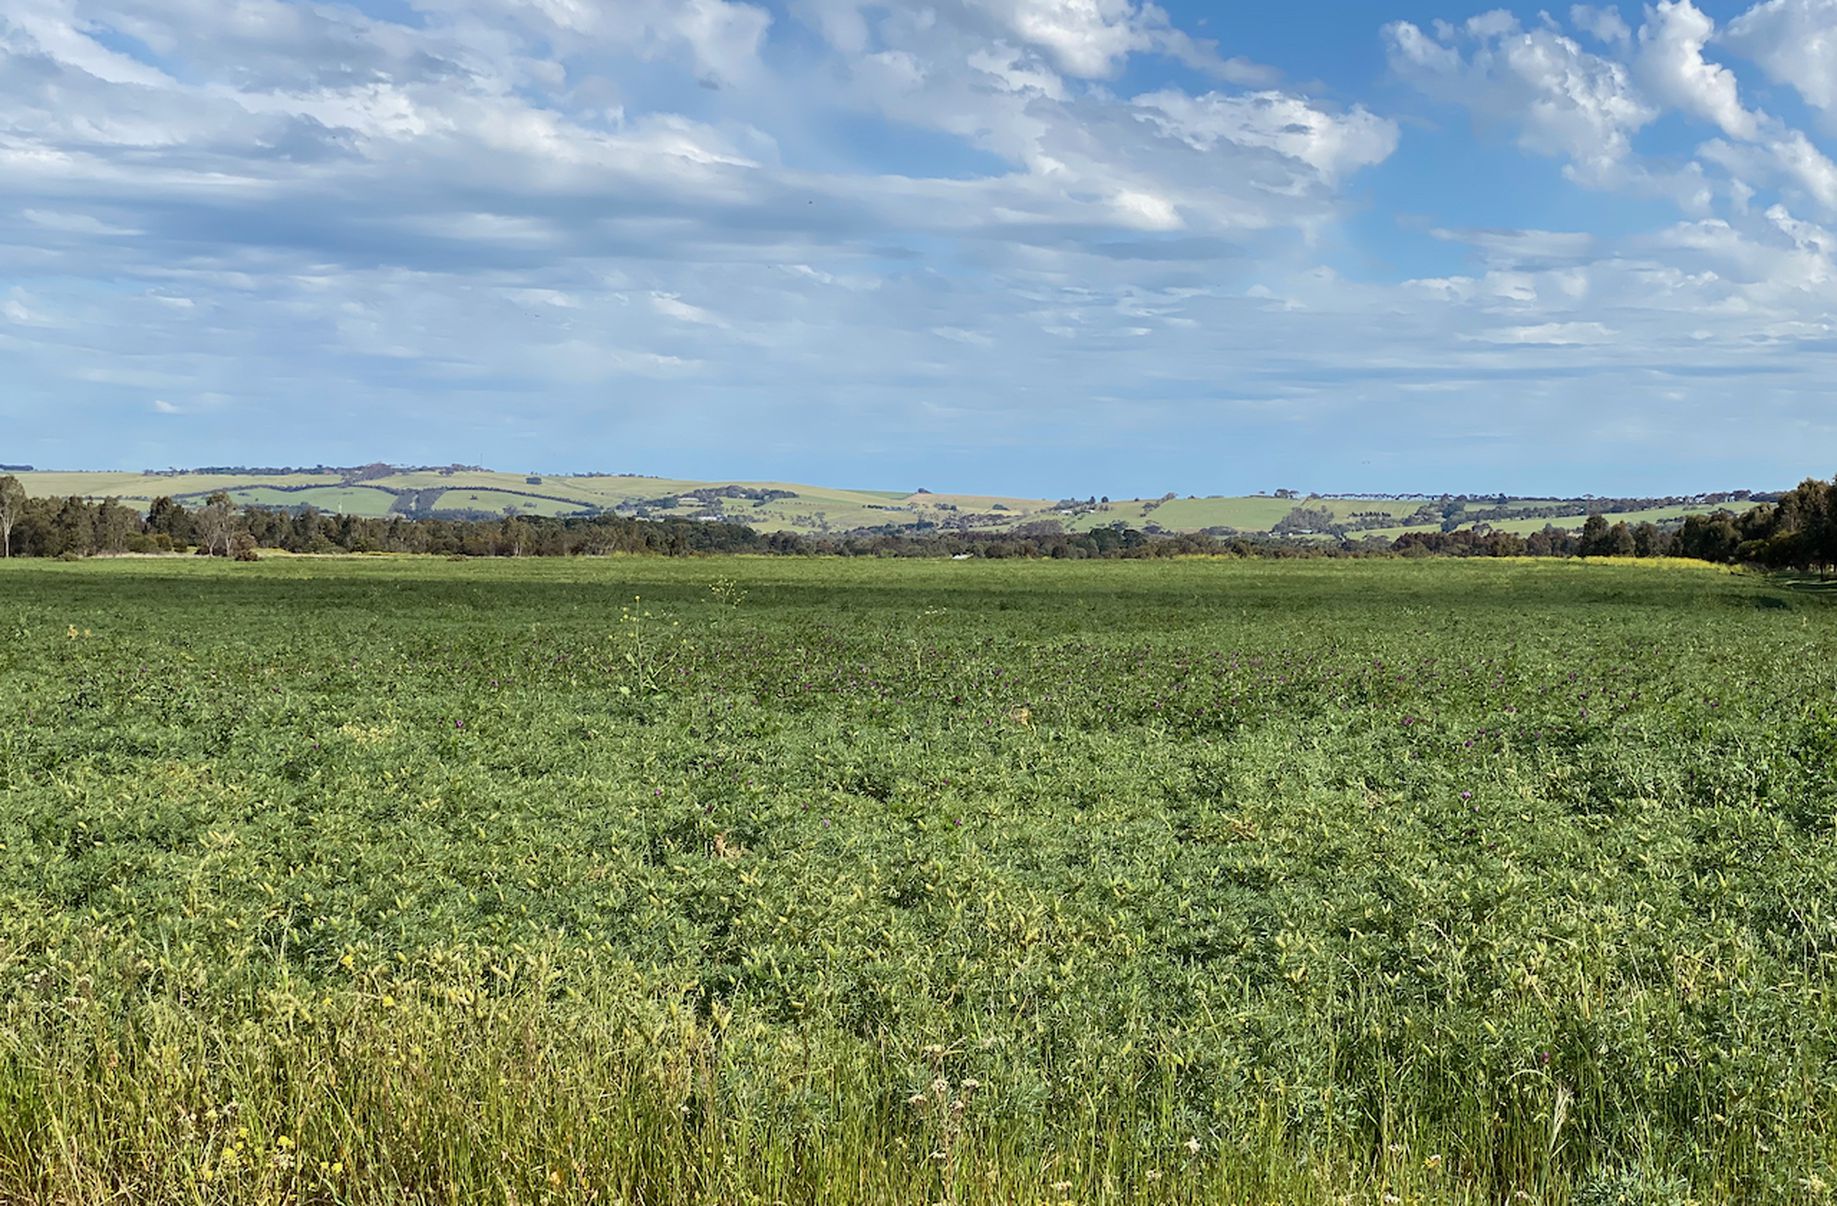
x=1247, y=514
x=501, y=501
x=811, y=509
x=1524, y=527
x=349, y=500
x=144, y=488
x=385, y=879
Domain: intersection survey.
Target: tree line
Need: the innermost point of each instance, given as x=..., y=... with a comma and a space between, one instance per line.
x=1798, y=530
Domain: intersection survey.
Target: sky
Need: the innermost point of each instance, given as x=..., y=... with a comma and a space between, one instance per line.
x=1035, y=247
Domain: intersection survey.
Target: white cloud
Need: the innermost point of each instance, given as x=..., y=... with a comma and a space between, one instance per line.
x=74, y=223
x=720, y=40
x=1010, y=66
x=1086, y=37
x=1509, y=249
x=1588, y=107
x=1565, y=101
x=1145, y=211
x=163, y=407
x=1562, y=334
x=477, y=220
x=1671, y=64
x=1332, y=144
x=1794, y=42
x=1605, y=24
x=1809, y=167
x=671, y=306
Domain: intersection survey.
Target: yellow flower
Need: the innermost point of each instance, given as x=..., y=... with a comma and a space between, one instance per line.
x=73, y=632
x=388, y=1001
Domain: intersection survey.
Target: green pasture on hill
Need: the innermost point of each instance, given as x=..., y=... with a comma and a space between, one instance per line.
x=346, y=500
x=775, y=880
x=1573, y=523
x=809, y=509
x=500, y=502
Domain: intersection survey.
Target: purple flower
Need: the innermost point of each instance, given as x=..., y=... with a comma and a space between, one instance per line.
x=1466, y=795
x=459, y=724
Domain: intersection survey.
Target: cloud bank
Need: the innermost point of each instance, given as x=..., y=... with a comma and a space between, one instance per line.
x=1021, y=243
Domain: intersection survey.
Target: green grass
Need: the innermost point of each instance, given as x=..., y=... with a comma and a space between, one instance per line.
x=1524, y=527
x=1247, y=514
x=499, y=501
x=607, y=492
x=812, y=509
x=144, y=488
x=365, y=880
x=1244, y=514
x=349, y=500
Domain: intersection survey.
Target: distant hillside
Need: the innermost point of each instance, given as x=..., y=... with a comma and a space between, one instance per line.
x=470, y=492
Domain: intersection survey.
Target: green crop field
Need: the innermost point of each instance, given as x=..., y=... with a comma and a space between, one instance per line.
x=779, y=880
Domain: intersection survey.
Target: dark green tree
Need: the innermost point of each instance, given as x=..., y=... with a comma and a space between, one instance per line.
x=1594, y=536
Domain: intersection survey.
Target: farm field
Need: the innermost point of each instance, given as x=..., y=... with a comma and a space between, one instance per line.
x=802, y=508
x=348, y=500
x=1524, y=527
x=352, y=880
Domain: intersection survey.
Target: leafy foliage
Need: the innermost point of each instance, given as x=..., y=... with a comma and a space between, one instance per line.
x=843, y=881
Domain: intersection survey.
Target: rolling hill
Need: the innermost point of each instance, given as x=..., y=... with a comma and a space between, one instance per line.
x=464, y=492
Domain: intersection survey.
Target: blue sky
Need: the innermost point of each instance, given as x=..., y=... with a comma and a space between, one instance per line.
x=1030, y=246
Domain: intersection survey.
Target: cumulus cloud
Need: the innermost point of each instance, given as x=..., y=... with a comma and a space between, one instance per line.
x=1794, y=42
x=1672, y=65
x=1589, y=107
x=1085, y=37
x=1565, y=100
